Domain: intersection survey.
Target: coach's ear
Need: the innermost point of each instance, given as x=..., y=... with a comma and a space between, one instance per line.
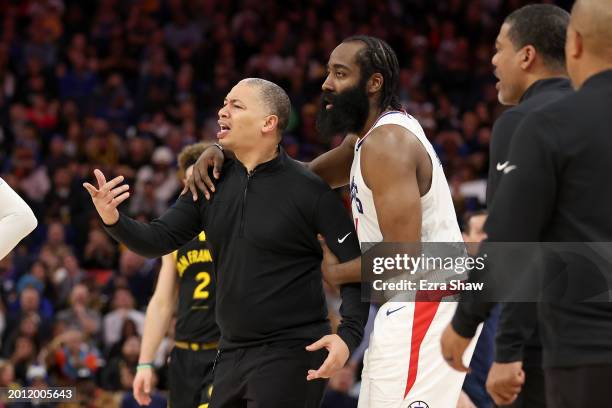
x=270, y=124
x=375, y=83
x=528, y=56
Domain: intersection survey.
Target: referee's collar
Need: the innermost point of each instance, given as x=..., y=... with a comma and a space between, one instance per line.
x=545, y=85
x=603, y=78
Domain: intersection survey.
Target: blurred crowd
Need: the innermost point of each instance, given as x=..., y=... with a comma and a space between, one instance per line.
x=124, y=85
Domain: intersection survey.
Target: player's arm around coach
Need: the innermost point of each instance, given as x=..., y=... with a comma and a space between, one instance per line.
x=333, y=167
x=395, y=167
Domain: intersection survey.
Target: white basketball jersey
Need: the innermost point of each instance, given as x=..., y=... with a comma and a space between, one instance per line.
x=439, y=221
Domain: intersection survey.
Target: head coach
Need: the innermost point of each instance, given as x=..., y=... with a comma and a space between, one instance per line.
x=262, y=225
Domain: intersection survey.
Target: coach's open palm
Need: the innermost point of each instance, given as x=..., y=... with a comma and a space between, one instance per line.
x=338, y=354
x=199, y=180
x=107, y=196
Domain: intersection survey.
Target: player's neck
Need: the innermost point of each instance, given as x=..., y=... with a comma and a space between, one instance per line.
x=373, y=116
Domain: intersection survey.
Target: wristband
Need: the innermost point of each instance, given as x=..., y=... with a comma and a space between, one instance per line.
x=142, y=366
x=218, y=146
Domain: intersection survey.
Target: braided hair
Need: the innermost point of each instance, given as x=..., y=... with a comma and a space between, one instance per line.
x=378, y=56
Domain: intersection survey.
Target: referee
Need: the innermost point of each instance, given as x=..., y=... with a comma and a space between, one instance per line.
x=559, y=188
x=262, y=226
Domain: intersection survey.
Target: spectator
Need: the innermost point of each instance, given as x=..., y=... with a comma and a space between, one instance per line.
x=161, y=174
x=56, y=240
x=80, y=317
x=99, y=252
x=146, y=200
x=77, y=82
x=114, y=376
x=136, y=273
x=73, y=357
x=30, y=301
x=30, y=327
x=7, y=375
x=33, y=180
x=23, y=355
x=66, y=278
x=181, y=31
x=122, y=309
x=64, y=201
x=103, y=146
x=40, y=45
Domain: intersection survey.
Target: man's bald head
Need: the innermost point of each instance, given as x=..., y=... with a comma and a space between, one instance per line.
x=592, y=19
x=588, y=48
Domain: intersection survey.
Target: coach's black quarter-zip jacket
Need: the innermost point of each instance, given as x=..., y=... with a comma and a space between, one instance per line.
x=262, y=227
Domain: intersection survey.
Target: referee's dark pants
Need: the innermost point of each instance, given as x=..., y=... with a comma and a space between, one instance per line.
x=582, y=386
x=268, y=376
x=191, y=371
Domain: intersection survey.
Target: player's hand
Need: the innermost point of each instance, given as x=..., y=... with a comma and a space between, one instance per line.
x=199, y=180
x=338, y=354
x=108, y=196
x=505, y=381
x=453, y=347
x=465, y=401
x=142, y=386
x=329, y=262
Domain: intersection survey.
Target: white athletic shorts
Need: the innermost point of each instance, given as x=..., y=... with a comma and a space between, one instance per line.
x=403, y=366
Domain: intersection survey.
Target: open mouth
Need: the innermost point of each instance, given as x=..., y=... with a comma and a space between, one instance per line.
x=224, y=130
x=327, y=102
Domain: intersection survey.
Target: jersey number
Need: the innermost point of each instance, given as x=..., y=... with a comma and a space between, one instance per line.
x=199, y=292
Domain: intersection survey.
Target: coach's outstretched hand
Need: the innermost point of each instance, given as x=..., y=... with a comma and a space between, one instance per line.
x=453, y=348
x=142, y=386
x=199, y=180
x=108, y=196
x=338, y=354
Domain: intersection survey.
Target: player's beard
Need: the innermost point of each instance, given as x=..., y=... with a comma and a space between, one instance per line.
x=348, y=114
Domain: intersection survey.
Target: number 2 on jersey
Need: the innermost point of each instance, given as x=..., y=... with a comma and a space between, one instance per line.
x=199, y=292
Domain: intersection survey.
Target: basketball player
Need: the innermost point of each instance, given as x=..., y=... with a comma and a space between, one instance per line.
x=398, y=194
x=186, y=274
x=16, y=219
